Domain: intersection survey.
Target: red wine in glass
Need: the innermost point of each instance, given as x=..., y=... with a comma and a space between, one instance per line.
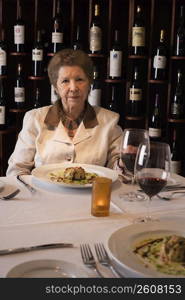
x=151, y=185
x=152, y=170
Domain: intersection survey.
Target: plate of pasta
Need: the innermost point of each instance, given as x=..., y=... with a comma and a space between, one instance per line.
x=155, y=249
x=72, y=174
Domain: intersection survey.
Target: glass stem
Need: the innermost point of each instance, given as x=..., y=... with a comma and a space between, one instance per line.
x=148, y=214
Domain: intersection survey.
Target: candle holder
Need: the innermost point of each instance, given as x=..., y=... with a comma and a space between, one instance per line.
x=101, y=194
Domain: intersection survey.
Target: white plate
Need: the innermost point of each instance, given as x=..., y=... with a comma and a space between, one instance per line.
x=42, y=173
x=1, y=185
x=121, y=244
x=46, y=268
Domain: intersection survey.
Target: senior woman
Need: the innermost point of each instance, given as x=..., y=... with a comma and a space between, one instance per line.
x=71, y=130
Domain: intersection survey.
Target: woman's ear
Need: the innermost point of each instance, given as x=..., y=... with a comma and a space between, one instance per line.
x=55, y=91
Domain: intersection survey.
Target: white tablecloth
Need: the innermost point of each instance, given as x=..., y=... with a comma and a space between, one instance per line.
x=63, y=215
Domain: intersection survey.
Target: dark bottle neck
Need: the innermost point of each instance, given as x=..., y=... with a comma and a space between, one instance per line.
x=38, y=36
x=58, y=11
x=116, y=37
x=2, y=38
x=156, y=100
x=179, y=77
x=113, y=94
x=19, y=11
x=1, y=91
x=97, y=10
x=181, y=17
x=135, y=73
x=19, y=69
x=162, y=36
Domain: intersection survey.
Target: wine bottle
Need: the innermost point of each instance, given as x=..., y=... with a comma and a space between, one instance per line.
x=19, y=31
x=58, y=32
x=37, y=99
x=178, y=102
x=138, y=33
x=135, y=95
x=113, y=105
x=37, y=56
x=2, y=107
x=77, y=44
x=155, y=122
x=160, y=59
x=19, y=88
x=176, y=158
x=180, y=35
x=3, y=55
x=115, y=58
x=94, y=97
x=96, y=32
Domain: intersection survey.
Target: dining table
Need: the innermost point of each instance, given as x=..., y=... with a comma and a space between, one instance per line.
x=57, y=213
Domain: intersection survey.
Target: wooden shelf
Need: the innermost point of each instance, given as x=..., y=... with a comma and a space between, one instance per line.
x=178, y=57
x=138, y=57
x=18, y=110
x=176, y=120
x=114, y=80
x=158, y=81
x=95, y=55
x=18, y=53
x=8, y=130
x=3, y=76
x=36, y=77
x=134, y=118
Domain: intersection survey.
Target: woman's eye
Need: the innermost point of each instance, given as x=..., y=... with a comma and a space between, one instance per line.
x=64, y=81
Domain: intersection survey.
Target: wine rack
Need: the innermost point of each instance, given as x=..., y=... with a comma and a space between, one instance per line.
x=114, y=15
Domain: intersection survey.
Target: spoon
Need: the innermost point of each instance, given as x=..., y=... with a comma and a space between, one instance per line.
x=10, y=196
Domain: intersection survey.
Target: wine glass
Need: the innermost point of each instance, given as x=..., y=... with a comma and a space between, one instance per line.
x=152, y=170
x=132, y=138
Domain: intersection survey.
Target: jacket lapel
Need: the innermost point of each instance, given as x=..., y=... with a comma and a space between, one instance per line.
x=84, y=131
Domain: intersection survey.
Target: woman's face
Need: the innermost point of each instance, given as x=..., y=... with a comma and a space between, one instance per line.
x=73, y=87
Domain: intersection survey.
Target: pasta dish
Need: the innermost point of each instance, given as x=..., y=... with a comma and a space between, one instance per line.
x=164, y=254
x=75, y=175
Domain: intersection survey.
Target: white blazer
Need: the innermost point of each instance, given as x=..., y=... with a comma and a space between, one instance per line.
x=44, y=140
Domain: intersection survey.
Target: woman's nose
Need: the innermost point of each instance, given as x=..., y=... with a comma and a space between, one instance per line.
x=73, y=86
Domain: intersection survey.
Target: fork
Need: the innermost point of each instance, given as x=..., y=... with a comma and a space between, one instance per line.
x=170, y=196
x=88, y=258
x=10, y=196
x=104, y=259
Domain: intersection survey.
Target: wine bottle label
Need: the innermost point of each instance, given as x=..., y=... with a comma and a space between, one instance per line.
x=154, y=132
x=95, y=38
x=138, y=36
x=159, y=62
x=94, y=97
x=2, y=115
x=57, y=37
x=19, y=93
x=115, y=63
x=37, y=54
x=19, y=34
x=177, y=109
x=54, y=96
x=176, y=166
x=135, y=94
x=3, y=57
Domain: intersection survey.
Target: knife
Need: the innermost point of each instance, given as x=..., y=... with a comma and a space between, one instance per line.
x=29, y=187
x=37, y=247
x=174, y=188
